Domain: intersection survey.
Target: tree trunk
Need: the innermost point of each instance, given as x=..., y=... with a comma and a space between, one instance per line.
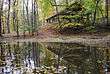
x=36, y=17
x=1, y=8
x=17, y=27
x=24, y=31
x=32, y=18
x=107, y=5
x=27, y=10
x=95, y=13
x=0, y=25
x=8, y=19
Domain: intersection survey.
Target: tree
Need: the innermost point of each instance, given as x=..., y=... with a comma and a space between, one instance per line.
x=8, y=18
x=14, y=14
x=107, y=4
x=27, y=11
x=0, y=22
x=1, y=8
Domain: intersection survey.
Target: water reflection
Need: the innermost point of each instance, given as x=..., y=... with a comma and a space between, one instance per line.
x=50, y=58
x=27, y=58
x=80, y=59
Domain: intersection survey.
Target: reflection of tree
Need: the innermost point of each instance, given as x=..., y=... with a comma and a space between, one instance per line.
x=8, y=51
x=36, y=54
x=21, y=54
x=48, y=59
x=2, y=55
x=17, y=60
x=80, y=58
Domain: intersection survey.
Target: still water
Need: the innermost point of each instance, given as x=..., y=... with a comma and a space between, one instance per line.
x=50, y=58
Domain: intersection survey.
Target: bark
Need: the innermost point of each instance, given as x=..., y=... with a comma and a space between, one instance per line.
x=32, y=18
x=14, y=15
x=95, y=12
x=8, y=19
x=27, y=10
x=1, y=8
x=36, y=16
x=107, y=11
x=15, y=20
x=107, y=17
x=24, y=19
x=0, y=25
x=17, y=27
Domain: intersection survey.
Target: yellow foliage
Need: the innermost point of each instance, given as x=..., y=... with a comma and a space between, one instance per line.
x=67, y=25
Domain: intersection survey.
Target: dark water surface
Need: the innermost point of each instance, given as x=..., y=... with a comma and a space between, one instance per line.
x=50, y=58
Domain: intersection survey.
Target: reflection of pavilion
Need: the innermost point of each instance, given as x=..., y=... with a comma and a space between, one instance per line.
x=80, y=58
x=76, y=56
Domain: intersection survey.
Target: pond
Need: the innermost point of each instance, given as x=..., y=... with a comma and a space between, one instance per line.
x=50, y=58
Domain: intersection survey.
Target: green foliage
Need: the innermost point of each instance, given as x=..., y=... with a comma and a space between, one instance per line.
x=90, y=29
x=84, y=17
x=71, y=25
x=79, y=26
x=89, y=5
x=46, y=7
x=79, y=11
x=70, y=16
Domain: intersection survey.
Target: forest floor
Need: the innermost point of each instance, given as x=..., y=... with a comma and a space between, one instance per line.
x=49, y=35
x=102, y=39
